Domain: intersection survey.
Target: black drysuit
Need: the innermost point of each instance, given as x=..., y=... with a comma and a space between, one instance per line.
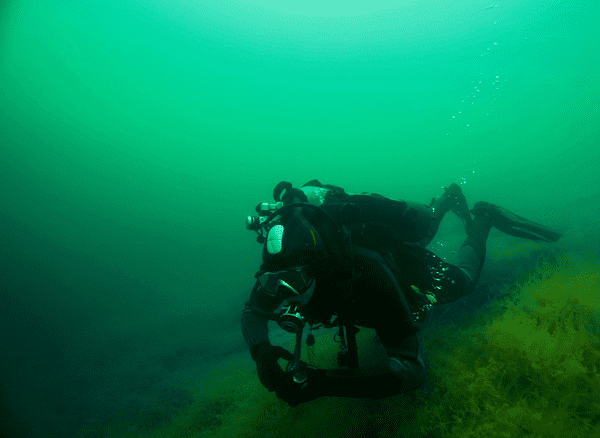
x=389, y=257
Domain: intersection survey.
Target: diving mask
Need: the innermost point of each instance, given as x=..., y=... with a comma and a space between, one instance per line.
x=294, y=280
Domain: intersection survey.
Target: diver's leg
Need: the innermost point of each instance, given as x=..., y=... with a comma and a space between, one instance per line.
x=472, y=252
x=420, y=225
x=471, y=255
x=452, y=282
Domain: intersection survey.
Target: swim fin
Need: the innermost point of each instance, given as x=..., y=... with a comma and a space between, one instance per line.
x=513, y=224
x=454, y=200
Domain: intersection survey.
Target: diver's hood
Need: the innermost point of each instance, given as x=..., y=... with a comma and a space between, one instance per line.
x=293, y=242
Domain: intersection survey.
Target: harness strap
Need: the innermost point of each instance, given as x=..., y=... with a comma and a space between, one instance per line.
x=388, y=263
x=388, y=260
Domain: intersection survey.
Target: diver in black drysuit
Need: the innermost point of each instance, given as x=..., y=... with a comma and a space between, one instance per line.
x=389, y=261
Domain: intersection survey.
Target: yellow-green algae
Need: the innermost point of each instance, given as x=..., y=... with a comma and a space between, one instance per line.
x=527, y=367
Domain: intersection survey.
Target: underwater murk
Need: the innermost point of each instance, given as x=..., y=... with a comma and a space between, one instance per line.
x=136, y=136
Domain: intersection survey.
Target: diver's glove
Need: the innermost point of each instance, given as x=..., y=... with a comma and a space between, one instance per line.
x=309, y=387
x=269, y=372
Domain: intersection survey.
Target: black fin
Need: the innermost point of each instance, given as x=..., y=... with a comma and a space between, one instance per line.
x=514, y=224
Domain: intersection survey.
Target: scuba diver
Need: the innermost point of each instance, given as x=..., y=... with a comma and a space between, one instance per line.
x=338, y=259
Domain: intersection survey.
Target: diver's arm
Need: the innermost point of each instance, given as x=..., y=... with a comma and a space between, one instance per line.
x=402, y=371
x=254, y=325
x=254, y=328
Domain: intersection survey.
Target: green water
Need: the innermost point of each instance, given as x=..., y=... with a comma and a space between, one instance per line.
x=137, y=135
